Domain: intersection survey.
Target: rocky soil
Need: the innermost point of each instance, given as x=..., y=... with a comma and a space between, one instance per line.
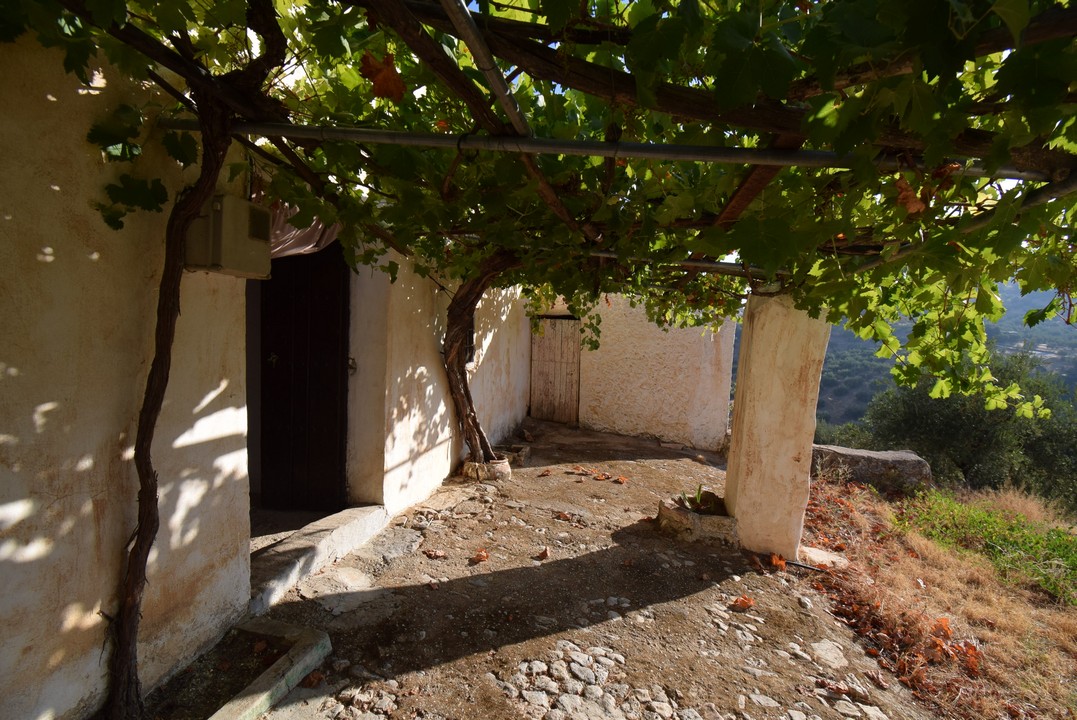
x=555, y=596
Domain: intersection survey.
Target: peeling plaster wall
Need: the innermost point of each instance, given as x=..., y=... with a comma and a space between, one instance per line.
x=402, y=438
x=79, y=308
x=680, y=379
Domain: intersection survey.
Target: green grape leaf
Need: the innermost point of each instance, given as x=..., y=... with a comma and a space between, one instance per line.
x=138, y=194
x=182, y=147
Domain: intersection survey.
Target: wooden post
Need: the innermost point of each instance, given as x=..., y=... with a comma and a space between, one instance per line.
x=781, y=359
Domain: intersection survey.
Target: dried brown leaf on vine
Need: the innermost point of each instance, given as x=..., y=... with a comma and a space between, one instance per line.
x=907, y=197
x=382, y=73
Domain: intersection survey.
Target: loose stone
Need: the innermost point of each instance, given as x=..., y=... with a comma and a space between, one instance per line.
x=846, y=708
x=547, y=684
x=581, y=658
x=662, y=709
x=536, y=697
x=571, y=704
x=573, y=686
x=764, y=701
x=592, y=692
x=829, y=653
x=872, y=712
x=585, y=674
x=559, y=670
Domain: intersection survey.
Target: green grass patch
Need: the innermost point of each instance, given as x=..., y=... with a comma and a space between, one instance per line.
x=1019, y=548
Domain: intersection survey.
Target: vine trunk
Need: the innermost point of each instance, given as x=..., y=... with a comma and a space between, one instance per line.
x=124, y=701
x=460, y=321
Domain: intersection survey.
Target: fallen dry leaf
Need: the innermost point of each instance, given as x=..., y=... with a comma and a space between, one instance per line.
x=435, y=554
x=480, y=556
x=742, y=604
x=545, y=473
x=563, y=516
x=620, y=479
x=314, y=679
x=260, y=647
x=603, y=476
x=941, y=628
x=545, y=554
x=777, y=562
x=877, y=677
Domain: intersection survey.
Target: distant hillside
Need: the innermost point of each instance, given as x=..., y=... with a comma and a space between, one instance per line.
x=852, y=374
x=1054, y=342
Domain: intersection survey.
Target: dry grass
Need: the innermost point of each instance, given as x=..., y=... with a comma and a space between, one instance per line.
x=927, y=605
x=1015, y=503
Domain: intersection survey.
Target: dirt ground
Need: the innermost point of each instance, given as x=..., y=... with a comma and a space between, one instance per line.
x=555, y=596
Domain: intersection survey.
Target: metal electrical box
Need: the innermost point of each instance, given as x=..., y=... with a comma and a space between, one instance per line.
x=230, y=236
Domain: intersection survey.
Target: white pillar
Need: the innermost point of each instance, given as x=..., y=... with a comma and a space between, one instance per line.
x=781, y=360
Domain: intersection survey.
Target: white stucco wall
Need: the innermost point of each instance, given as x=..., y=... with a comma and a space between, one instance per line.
x=77, y=326
x=679, y=379
x=402, y=439
x=501, y=375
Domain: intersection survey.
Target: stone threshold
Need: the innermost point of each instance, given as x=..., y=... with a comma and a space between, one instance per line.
x=309, y=648
x=277, y=569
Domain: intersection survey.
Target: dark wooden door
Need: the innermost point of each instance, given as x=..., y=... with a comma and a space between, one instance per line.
x=555, y=371
x=304, y=365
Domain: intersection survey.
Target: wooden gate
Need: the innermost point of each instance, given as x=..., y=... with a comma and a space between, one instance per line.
x=555, y=370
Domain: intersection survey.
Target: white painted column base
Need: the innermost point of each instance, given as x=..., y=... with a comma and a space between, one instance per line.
x=769, y=466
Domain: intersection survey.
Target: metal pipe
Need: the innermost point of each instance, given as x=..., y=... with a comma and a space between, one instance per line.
x=713, y=266
x=590, y=148
x=484, y=60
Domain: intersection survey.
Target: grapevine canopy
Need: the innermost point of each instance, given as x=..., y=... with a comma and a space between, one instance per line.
x=956, y=122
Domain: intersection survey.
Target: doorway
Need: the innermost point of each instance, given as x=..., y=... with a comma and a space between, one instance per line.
x=298, y=372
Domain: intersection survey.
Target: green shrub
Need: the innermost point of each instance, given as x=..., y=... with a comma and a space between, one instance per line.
x=968, y=445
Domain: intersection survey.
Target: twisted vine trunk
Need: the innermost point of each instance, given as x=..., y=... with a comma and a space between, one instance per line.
x=124, y=700
x=461, y=317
